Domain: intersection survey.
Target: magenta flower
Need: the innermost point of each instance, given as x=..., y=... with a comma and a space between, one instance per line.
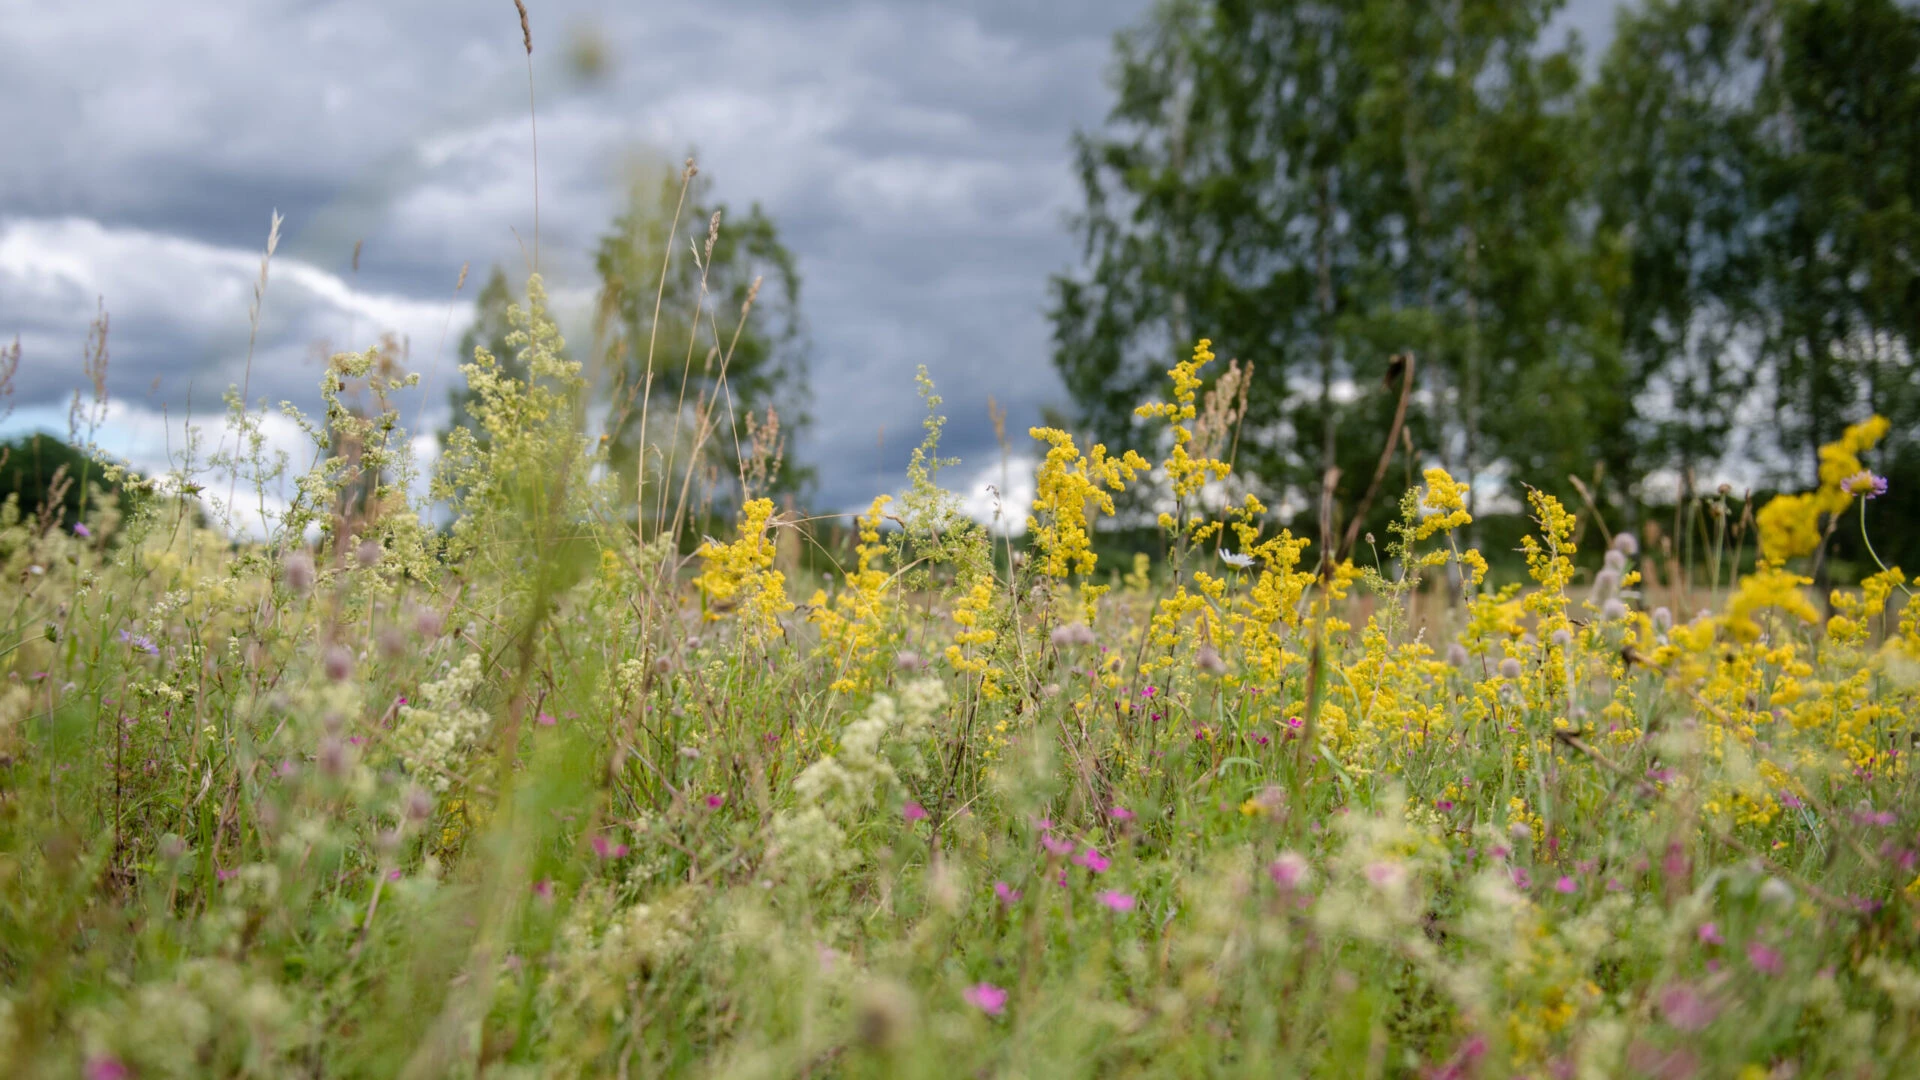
x=1116, y=901
x=107, y=1068
x=1566, y=885
x=1055, y=845
x=545, y=719
x=1007, y=894
x=80, y=530
x=913, y=811
x=1289, y=871
x=1710, y=934
x=607, y=849
x=1521, y=879
x=1121, y=813
x=987, y=997
x=1764, y=959
x=1093, y=860
x=715, y=802
x=394, y=874
x=543, y=889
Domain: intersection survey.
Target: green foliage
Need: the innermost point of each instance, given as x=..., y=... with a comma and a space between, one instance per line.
x=30, y=465
x=1320, y=187
x=699, y=339
x=1607, y=277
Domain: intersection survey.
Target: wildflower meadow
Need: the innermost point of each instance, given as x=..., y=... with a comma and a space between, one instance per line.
x=545, y=793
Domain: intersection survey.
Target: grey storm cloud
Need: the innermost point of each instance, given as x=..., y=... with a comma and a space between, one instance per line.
x=914, y=155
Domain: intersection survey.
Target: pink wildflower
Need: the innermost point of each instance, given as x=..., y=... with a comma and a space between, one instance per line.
x=987, y=997
x=1121, y=813
x=1093, y=860
x=1566, y=885
x=543, y=889
x=107, y=1068
x=1055, y=845
x=1007, y=894
x=1764, y=959
x=1686, y=1009
x=545, y=719
x=1116, y=901
x=715, y=802
x=1710, y=934
x=607, y=849
x=1289, y=871
x=913, y=811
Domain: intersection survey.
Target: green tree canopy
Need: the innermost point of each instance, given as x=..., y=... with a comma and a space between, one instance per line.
x=727, y=340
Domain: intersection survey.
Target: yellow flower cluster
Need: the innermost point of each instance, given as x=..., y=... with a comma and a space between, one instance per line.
x=1068, y=490
x=1790, y=524
x=741, y=574
x=854, y=627
x=1186, y=473
x=971, y=651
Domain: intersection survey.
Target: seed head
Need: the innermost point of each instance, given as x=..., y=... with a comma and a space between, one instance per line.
x=1615, y=560
x=1626, y=544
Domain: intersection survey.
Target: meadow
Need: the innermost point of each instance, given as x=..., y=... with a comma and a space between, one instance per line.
x=563, y=789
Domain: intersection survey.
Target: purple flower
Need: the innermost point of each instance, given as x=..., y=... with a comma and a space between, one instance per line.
x=141, y=642
x=1055, y=845
x=607, y=849
x=1710, y=934
x=1566, y=885
x=1121, y=813
x=715, y=802
x=913, y=811
x=987, y=997
x=80, y=530
x=545, y=719
x=1007, y=894
x=107, y=1068
x=394, y=874
x=1865, y=485
x=1764, y=959
x=543, y=889
x=1093, y=860
x=1116, y=901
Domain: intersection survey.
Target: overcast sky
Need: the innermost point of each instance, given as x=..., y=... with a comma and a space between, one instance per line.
x=913, y=154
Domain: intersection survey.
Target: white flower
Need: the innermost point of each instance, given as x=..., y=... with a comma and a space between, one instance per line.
x=1239, y=560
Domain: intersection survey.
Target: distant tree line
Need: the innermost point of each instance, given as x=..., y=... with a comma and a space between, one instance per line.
x=1699, y=253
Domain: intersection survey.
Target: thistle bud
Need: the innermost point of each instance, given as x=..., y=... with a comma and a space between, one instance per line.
x=1613, y=609
x=1626, y=544
x=299, y=572
x=1614, y=560
x=1509, y=668
x=339, y=663
x=368, y=553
